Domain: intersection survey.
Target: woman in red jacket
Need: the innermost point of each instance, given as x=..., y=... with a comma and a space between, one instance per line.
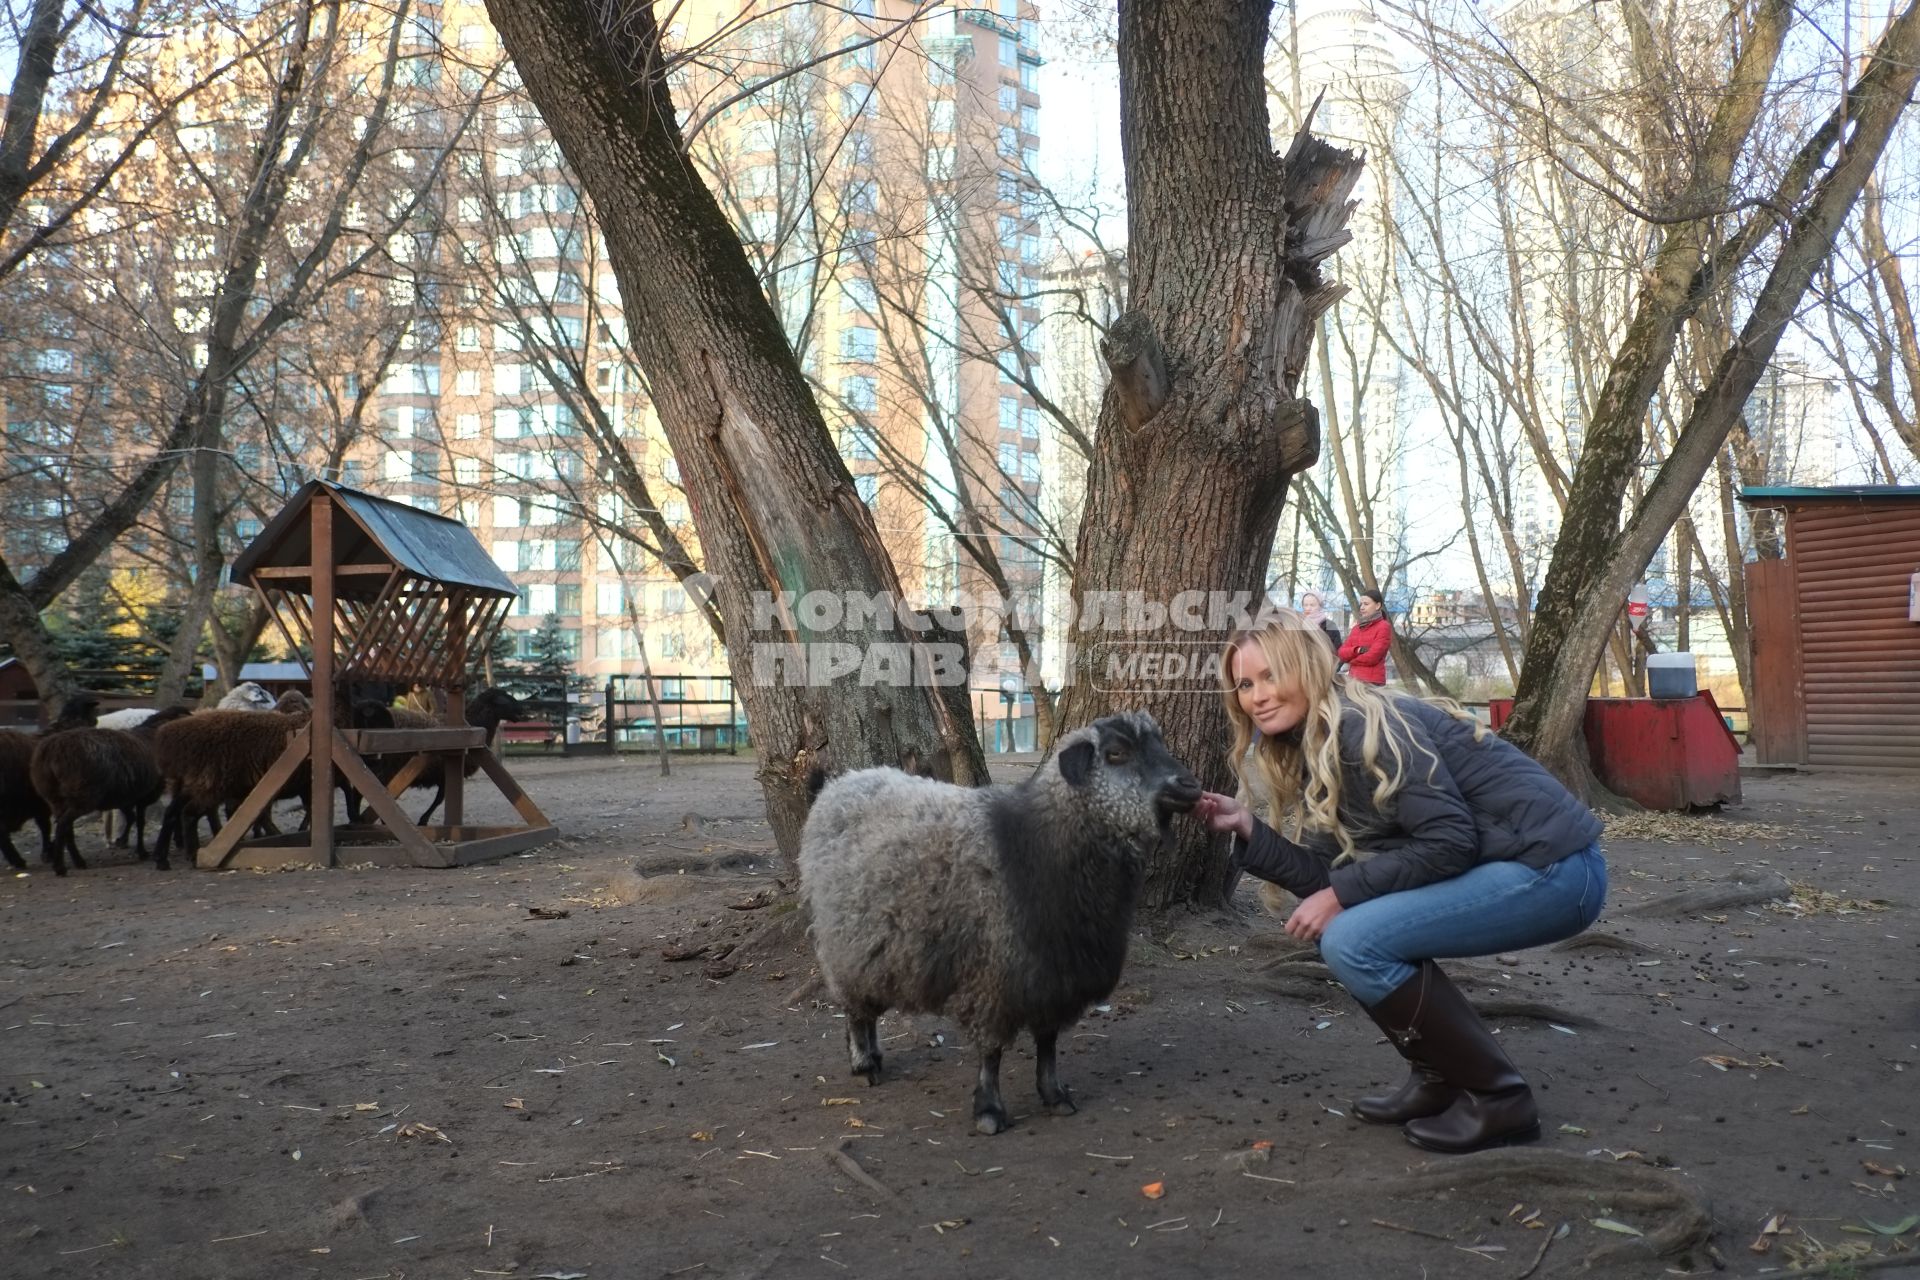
x=1365, y=651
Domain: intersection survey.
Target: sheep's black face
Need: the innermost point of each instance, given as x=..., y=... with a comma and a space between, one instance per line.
x=497, y=705
x=1134, y=781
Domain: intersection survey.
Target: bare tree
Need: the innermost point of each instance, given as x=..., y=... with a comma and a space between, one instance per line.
x=774, y=505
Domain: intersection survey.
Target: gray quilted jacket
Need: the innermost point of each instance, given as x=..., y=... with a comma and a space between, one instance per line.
x=1484, y=801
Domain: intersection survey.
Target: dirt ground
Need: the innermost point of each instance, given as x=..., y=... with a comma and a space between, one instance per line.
x=407, y=1074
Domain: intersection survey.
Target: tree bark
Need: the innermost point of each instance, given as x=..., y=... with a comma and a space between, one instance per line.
x=1203, y=427
x=773, y=503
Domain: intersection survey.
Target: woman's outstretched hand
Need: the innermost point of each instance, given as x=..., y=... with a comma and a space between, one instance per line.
x=1311, y=918
x=1224, y=813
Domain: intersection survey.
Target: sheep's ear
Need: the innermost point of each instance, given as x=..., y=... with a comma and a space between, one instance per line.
x=1076, y=763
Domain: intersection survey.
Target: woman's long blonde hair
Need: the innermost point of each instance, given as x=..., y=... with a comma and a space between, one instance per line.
x=1299, y=778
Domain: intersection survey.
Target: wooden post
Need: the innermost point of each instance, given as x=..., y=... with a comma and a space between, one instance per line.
x=453, y=766
x=320, y=729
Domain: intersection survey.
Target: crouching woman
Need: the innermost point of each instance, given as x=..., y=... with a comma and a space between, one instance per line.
x=1411, y=835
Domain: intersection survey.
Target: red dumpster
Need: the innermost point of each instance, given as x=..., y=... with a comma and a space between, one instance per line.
x=1664, y=753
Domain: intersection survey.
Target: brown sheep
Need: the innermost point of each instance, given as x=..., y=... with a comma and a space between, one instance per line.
x=212, y=759
x=216, y=758
x=19, y=802
x=82, y=770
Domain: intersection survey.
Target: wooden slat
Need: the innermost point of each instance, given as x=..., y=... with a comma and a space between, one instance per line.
x=391, y=742
x=361, y=779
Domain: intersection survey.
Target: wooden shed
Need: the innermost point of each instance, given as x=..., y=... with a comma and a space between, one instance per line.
x=1836, y=629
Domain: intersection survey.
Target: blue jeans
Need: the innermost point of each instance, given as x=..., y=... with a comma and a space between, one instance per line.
x=1498, y=906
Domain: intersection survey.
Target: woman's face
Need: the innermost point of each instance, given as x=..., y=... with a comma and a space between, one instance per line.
x=1309, y=602
x=1274, y=708
x=1368, y=607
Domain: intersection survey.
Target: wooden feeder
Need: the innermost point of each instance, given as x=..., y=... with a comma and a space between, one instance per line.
x=379, y=593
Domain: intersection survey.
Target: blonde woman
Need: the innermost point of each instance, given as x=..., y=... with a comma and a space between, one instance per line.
x=1410, y=834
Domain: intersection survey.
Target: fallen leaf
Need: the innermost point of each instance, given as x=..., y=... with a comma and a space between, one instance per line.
x=548, y=913
x=1899, y=1228
x=1882, y=1171
x=1619, y=1228
x=1800, y=1110
x=366, y=1106
x=1154, y=1190
x=1263, y=1145
x=1574, y=1129
x=702, y=1135
x=838, y=1102
x=515, y=1104
x=414, y=1129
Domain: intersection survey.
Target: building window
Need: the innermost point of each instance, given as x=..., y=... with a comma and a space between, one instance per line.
x=1030, y=422
x=860, y=442
x=859, y=343
x=610, y=599
x=868, y=487
x=857, y=294
x=506, y=513
x=467, y=382
x=506, y=379
x=861, y=393
x=467, y=426
x=1009, y=413
x=1009, y=51
x=940, y=115
x=506, y=554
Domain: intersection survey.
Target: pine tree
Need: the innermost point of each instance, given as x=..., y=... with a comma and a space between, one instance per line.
x=550, y=677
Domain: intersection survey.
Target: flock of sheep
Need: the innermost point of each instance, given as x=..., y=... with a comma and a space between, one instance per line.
x=204, y=761
x=1006, y=907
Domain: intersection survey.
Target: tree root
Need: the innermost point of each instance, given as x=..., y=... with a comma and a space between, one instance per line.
x=1607, y=942
x=781, y=940
x=841, y=1159
x=1745, y=887
x=1535, y=1175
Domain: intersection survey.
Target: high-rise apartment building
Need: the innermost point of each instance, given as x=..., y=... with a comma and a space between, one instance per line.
x=877, y=161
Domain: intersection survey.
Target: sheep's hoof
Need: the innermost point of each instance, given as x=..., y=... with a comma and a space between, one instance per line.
x=1061, y=1103
x=868, y=1065
x=990, y=1122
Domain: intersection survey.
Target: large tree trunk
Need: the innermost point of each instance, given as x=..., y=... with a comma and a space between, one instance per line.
x=773, y=503
x=1555, y=680
x=1202, y=428
x=1558, y=666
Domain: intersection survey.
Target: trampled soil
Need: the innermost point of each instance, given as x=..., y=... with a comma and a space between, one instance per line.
x=406, y=1074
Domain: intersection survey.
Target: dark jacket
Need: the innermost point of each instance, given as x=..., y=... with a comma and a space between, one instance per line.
x=1484, y=801
x=1365, y=651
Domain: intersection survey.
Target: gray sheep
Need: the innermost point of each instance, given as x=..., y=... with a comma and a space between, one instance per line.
x=1005, y=907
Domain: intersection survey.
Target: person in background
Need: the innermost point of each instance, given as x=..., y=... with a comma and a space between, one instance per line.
x=1316, y=616
x=1365, y=651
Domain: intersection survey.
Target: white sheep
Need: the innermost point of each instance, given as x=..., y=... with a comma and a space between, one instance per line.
x=1005, y=907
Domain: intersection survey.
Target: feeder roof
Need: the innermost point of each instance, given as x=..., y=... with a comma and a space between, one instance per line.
x=417, y=542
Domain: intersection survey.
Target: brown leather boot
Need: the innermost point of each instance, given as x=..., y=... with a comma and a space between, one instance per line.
x=1493, y=1107
x=1426, y=1092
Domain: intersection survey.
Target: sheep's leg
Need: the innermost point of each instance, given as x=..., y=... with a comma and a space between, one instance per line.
x=169, y=824
x=1046, y=1075
x=137, y=823
x=119, y=841
x=73, y=847
x=12, y=854
x=863, y=1044
x=62, y=837
x=440, y=793
x=989, y=1112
